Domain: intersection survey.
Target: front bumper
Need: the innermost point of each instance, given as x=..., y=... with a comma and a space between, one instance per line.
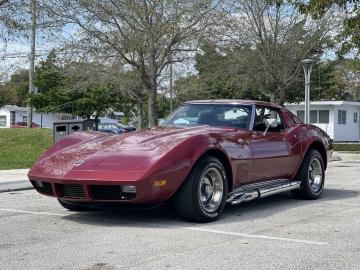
x=81, y=190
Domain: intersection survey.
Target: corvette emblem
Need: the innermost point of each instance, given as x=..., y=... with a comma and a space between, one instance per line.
x=78, y=162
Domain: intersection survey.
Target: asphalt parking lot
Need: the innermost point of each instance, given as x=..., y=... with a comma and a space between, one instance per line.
x=272, y=233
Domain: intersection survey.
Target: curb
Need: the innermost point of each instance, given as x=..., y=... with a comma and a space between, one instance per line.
x=15, y=186
x=335, y=158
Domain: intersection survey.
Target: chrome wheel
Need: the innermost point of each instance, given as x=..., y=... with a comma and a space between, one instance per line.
x=315, y=174
x=211, y=189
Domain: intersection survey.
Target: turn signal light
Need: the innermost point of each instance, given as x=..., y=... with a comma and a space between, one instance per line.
x=160, y=183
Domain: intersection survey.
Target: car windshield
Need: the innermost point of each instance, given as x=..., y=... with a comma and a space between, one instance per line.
x=211, y=114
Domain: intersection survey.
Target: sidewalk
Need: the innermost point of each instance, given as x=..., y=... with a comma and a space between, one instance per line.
x=348, y=156
x=14, y=180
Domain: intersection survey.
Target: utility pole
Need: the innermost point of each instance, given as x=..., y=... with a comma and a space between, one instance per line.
x=171, y=84
x=307, y=65
x=32, y=61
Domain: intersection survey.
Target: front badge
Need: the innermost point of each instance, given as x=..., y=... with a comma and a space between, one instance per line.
x=78, y=162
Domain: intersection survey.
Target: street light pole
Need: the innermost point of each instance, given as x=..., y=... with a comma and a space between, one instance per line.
x=307, y=66
x=32, y=61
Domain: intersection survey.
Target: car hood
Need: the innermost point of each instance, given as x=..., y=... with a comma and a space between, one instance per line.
x=135, y=151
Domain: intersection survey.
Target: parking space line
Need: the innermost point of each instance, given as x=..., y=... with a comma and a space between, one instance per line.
x=344, y=204
x=245, y=235
x=256, y=236
x=31, y=212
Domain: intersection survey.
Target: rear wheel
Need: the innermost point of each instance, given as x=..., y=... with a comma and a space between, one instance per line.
x=73, y=206
x=312, y=176
x=202, y=197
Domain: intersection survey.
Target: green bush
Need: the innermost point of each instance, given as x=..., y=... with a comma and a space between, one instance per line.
x=21, y=147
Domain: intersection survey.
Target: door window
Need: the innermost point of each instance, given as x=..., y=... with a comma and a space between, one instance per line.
x=341, y=117
x=323, y=116
x=262, y=113
x=313, y=117
x=2, y=120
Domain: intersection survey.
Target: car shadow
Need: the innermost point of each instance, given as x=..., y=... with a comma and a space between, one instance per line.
x=266, y=207
x=166, y=217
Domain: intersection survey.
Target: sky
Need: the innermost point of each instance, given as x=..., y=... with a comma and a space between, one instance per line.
x=14, y=55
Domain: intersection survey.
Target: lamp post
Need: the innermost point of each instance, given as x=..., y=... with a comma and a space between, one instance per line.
x=32, y=62
x=307, y=65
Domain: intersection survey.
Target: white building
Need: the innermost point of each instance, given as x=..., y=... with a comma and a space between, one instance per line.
x=339, y=119
x=10, y=114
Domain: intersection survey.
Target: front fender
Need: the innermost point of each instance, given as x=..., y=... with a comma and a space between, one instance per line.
x=177, y=163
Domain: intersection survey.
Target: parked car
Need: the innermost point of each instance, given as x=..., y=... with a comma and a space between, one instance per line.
x=114, y=128
x=126, y=128
x=205, y=154
x=24, y=125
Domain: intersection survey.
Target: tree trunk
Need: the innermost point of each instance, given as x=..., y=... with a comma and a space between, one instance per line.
x=140, y=110
x=153, y=106
x=282, y=97
x=272, y=98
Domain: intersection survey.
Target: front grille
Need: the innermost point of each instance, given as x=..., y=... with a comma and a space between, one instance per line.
x=70, y=191
x=43, y=187
x=110, y=192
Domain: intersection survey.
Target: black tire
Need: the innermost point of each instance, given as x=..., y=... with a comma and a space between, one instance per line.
x=73, y=206
x=306, y=190
x=188, y=200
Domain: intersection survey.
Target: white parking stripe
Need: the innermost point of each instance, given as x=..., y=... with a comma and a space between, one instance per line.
x=344, y=203
x=256, y=236
x=31, y=212
x=193, y=229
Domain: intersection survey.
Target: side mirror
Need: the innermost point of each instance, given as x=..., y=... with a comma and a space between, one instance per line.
x=271, y=122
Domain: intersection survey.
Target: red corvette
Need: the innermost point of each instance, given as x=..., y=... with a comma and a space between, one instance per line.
x=205, y=154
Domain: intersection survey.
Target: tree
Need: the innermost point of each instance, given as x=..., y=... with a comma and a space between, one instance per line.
x=87, y=88
x=13, y=19
x=49, y=75
x=280, y=37
x=81, y=85
x=349, y=36
x=15, y=91
x=13, y=24
x=131, y=86
x=189, y=87
x=142, y=33
x=6, y=97
x=230, y=73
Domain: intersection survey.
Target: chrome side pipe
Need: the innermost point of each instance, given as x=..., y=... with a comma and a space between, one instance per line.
x=243, y=195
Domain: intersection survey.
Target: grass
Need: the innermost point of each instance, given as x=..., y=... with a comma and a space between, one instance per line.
x=347, y=147
x=21, y=147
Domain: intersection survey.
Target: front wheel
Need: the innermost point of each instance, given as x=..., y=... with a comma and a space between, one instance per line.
x=203, y=195
x=312, y=176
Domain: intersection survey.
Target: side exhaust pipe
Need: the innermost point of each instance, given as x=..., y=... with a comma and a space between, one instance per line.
x=243, y=195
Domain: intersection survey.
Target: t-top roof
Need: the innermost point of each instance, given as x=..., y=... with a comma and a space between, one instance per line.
x=326, y=103
x=234, y=102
